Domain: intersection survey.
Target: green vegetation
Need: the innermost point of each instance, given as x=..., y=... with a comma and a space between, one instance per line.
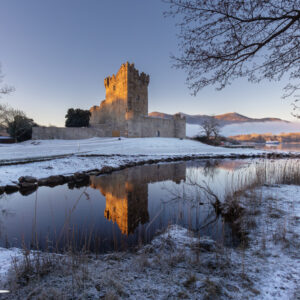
x=77, y=118
x=21, y=128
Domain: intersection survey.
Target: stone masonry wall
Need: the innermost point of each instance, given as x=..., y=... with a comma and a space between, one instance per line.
x=69, y=133
x=154, y=127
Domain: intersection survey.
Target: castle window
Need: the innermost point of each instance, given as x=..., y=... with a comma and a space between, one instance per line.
x=114, y=87
x=138, y=98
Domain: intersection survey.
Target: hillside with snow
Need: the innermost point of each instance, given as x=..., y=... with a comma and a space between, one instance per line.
x=249, y=128
x=223, y=119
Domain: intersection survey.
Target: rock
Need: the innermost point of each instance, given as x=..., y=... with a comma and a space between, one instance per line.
x=130, y=164
x=80, y=177
x=93, y=172
x=28, y=191
x=11, y=188
x=106, y=169
x=42, y=181
x=52, y=180
x=69, y=178
x=2, y=189
x=28, y=185
x=28, y=179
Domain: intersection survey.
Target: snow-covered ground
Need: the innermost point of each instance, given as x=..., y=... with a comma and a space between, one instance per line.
x=6, y=257
x=272, y=259
x=108, y=146
x=248, y=128
x=115, y=152
x=177, y=264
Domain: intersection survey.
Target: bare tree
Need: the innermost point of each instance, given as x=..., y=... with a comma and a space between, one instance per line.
x=7, y=115
x=211, y=128
x=4, y=89
x=221, y=40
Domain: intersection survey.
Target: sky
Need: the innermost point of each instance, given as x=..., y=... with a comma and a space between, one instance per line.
x=56, y=53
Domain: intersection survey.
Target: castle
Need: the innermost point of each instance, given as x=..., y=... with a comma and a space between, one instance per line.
x=124, y=112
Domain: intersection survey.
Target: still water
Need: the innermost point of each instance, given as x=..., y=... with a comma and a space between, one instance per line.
x=124, y=209
x=290, y=147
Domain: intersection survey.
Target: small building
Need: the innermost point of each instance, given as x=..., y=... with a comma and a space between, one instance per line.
x=124, y=112
x=7, y=140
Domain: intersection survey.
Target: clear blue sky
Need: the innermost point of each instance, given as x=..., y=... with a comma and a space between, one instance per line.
x=57, y=53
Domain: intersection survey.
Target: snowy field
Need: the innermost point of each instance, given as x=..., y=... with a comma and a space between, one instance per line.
x=108, y=146
x=248, y=128
x=115, y=152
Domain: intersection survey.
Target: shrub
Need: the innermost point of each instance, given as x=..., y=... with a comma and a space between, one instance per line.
x=77, y=118
x=21, y=128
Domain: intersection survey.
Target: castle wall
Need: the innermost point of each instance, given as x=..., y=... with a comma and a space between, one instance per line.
x=70, y=133
x=137, y=102
x=112, y=110
x=154, y=127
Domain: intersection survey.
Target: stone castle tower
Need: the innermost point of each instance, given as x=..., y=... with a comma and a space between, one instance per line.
x=126, y=98
x=124, y=112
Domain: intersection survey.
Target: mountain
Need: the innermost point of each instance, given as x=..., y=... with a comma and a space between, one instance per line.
x=238, y=118
x=224, y=119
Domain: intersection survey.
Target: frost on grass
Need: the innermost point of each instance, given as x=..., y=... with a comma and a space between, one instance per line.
x=177, y=264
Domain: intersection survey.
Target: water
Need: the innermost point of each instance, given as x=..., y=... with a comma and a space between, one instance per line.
x=124, y=209
x=290, y=147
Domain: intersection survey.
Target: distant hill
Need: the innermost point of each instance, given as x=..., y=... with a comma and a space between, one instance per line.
x=224, y=119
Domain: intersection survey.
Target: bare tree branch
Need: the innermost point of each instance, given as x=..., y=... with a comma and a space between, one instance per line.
x=221, y=40
x=4, y=89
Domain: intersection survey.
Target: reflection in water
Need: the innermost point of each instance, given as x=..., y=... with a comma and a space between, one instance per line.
x=126, y=192
x=120, y=210
x=293, y=147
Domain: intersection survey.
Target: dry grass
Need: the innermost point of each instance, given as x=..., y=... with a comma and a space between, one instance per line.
x=33, y=265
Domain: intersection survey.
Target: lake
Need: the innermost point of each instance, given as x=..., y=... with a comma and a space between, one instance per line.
x=290, y=147
x=124, y=209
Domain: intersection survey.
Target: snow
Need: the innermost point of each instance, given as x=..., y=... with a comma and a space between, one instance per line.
x=115, y=152
x=106, y=146
x=273, y=255
x=249, y=127
x=6, y=256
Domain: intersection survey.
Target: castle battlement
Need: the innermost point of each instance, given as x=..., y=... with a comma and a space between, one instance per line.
x=127, y=72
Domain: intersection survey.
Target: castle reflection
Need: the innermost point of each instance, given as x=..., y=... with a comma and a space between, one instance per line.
x=126, y=192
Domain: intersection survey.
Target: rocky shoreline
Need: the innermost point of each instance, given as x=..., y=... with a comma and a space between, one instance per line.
x=28, y=184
